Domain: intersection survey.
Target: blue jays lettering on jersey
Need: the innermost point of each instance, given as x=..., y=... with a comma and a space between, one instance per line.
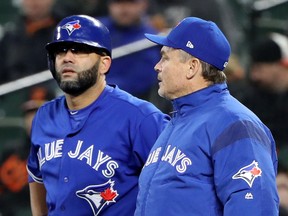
x=93, y=171
x=214, y=158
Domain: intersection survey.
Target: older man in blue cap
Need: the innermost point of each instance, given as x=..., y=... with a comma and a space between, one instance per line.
x=215, y=157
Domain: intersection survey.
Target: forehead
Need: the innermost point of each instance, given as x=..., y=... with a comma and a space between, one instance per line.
x=168, y=50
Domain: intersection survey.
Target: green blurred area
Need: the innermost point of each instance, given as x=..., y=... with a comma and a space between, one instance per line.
x=7, y=11
x=10, y=116
x=11, y=122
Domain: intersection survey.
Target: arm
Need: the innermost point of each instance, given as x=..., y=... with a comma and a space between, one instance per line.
x=38, y=199
x=245, y=164
x=148, y=132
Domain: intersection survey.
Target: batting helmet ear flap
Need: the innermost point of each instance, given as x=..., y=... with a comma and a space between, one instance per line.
x=51, y=63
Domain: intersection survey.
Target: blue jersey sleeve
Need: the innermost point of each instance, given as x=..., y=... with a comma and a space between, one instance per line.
x=33, y=166
x=245, y=167
x=149, y=129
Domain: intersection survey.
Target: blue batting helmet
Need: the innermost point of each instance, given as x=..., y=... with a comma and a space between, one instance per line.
x=81, y=29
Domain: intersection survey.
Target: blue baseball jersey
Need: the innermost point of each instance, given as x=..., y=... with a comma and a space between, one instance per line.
x=214, y=158
x=89, y=160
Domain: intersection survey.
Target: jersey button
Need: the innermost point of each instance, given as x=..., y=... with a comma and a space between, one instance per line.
x=62, y=208
x=66, y=179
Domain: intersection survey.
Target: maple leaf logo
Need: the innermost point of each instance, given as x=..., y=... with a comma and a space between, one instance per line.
x=256, y=171
x=108, y=194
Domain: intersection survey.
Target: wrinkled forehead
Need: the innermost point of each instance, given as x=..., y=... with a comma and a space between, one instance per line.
x=166, y=50
x=170, y=51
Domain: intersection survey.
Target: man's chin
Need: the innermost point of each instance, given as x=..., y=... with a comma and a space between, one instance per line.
x=161, y=93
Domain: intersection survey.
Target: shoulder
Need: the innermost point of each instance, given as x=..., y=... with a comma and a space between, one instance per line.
x=228, y=112
x=52, y=106
x=128, y=103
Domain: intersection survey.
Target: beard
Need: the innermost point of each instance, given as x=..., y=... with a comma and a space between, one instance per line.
x=84, y=81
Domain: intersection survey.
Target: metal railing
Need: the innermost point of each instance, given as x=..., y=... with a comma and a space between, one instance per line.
x=46, y=75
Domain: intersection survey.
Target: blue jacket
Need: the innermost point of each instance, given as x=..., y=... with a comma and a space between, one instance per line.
x=215, y=157
x=89, y=160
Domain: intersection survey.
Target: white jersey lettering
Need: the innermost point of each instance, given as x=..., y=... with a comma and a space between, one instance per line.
x=110, y=171
x=101, y=160
x=87, y=154
x=76, y=153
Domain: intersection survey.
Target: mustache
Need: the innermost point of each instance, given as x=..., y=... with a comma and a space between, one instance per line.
x=67, y=68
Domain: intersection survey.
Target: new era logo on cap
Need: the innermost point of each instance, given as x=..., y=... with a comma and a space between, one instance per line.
x=190, y=45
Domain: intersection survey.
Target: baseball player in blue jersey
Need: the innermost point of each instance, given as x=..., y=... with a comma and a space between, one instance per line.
x=88, y=146
x=215, y=157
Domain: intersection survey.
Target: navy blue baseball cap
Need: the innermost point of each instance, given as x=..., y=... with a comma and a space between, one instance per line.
x=200, y=38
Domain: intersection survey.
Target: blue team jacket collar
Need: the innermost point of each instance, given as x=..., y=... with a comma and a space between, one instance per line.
x=195, y=99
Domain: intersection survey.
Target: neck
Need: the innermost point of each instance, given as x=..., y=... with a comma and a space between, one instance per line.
x=86, y=98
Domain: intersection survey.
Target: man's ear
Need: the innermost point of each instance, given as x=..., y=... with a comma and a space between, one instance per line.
x=194, y=65
x=105, y=64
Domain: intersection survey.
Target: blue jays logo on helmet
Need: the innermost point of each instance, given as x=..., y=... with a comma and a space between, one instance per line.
x=71, y=26
x=98, y=195
x=249, y=173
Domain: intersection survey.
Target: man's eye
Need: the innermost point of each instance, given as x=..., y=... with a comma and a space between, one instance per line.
x=75, y=50
x=80, y=50
x=60, y=51
x=164, y=58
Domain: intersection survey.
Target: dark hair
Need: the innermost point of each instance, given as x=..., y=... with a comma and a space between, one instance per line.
x=209, y=72
x=212, y=74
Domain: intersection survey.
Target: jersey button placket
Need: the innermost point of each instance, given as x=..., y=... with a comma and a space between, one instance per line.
x=62, y=208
